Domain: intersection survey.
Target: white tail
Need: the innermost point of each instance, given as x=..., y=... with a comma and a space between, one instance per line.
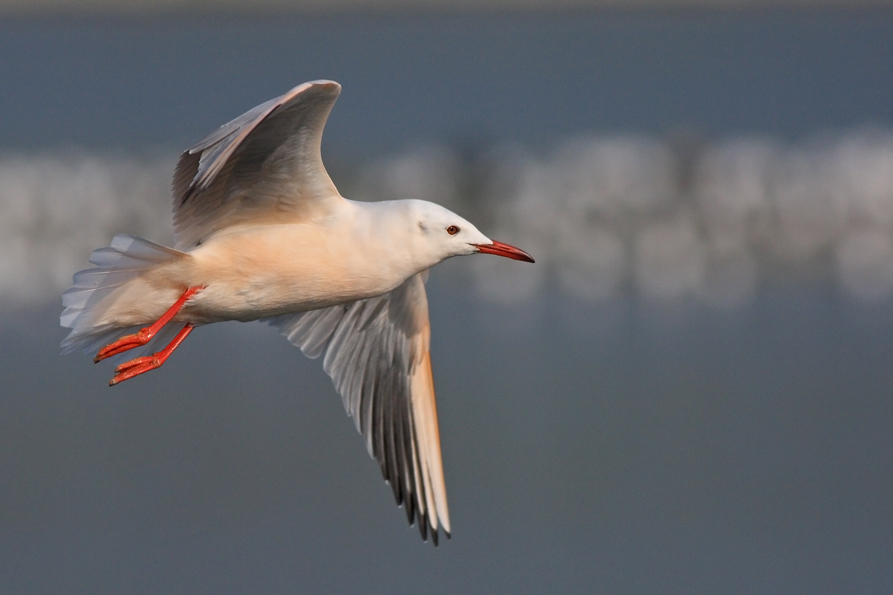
x=126, y=259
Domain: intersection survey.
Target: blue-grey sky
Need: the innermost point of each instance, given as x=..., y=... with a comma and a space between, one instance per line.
x=465, y=78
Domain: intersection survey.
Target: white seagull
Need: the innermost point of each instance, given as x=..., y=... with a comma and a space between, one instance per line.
x=262, y=233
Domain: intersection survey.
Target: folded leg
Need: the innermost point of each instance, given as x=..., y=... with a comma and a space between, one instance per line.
x=141, y=365
x=144, y=335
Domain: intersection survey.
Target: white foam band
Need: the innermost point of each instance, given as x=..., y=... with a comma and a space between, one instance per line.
x=601, y=214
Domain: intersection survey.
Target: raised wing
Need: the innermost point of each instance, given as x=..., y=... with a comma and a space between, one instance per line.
x=376, y=352
x=264, y=165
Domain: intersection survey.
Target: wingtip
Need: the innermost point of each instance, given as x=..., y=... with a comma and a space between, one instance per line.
x=435, y=535
x=423, y=526
x=319, y=84
x=324, y=83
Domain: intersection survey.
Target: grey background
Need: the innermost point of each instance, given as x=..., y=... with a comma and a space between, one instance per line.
x=627, y=447
x=121, y=82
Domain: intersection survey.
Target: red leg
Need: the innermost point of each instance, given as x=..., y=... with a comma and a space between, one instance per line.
x=141, y=365
x=145, y=335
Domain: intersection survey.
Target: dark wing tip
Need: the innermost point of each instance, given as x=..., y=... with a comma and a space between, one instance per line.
x=423, y=526
x=184, y=174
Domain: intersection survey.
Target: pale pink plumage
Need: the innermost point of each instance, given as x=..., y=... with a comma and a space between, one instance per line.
x=263, y=234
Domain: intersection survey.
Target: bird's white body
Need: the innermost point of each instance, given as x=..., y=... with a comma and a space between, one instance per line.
x=257, y=271
x=263, y=234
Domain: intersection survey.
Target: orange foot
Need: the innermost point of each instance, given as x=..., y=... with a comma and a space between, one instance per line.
x=125, y=343
x=135, y=367
x=141, y=365
x=145, y=335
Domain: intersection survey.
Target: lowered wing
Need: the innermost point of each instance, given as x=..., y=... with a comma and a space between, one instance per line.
x=376, y=351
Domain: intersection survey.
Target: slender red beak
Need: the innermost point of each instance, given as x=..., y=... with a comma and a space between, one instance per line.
x=500, y=249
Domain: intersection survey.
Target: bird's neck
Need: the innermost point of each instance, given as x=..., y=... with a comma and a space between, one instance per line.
x=389, y=236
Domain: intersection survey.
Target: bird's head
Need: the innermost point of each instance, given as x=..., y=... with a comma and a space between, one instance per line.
x=444, y=234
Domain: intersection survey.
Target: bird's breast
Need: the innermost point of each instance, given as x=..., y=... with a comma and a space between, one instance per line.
x=280, y=269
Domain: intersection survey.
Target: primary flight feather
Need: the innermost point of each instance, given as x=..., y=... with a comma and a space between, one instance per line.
x=261, y=233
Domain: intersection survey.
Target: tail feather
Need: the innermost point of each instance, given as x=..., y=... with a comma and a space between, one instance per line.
x=94, y=341
x=127, y=258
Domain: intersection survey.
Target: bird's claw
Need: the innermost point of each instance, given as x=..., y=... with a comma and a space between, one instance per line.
x=135, y=367
x=123, y=344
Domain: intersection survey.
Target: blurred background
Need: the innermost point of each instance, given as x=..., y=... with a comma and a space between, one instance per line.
x=690, y=391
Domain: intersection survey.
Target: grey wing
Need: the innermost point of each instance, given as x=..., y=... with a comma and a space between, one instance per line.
x=376, y=352
x=265, y=164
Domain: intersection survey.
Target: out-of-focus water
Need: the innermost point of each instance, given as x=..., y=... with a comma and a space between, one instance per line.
x=586, y=449
x=604, y=215
x=689, y=392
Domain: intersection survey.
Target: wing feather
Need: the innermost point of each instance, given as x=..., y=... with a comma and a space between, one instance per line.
x=377, y=353
x=264, y=165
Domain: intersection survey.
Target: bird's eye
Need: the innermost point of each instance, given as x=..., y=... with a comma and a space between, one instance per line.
x=452, y=230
